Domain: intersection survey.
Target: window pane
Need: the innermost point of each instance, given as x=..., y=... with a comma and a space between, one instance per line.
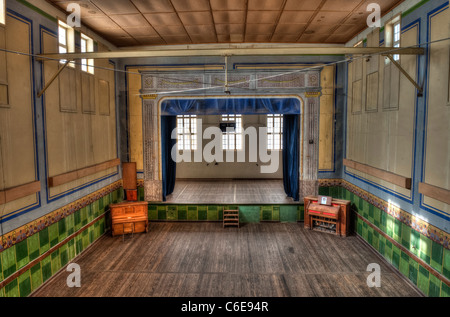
x=276, y=141
x=270, y=141
x=62, y=38
x=194, y=125
x=180, y=142
x=2, y=12
x=274, y=131
x=187, y=132
x=90, y=65
x=83, y=45
x=397, y=32
x=239, y=142
x=224, y=142
x=231, y=142
x=83, y=65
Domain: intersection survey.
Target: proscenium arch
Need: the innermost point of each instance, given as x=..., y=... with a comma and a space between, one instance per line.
x=309, y=139
x=297, y=97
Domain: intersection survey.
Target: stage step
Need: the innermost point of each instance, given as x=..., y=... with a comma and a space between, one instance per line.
x=231, y=217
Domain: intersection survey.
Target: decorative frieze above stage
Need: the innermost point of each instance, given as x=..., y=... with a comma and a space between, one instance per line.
x=237, y=84
x=213, y=82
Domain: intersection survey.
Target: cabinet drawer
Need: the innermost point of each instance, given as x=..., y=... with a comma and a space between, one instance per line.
x=129, y=227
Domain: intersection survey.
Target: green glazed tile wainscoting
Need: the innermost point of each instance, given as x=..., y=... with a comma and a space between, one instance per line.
x=26, y=265
x=424, y=261
x=205, y=212
x=247, y=213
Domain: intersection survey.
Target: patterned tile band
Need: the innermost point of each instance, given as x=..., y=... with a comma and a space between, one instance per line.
x=421, y=226
x=15, y=236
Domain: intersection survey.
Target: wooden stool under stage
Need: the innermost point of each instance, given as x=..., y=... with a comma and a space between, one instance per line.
x=231, y=217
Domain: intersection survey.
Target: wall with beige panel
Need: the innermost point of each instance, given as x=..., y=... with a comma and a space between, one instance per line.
x=437, y=144
x=80, y=118
x=18, y=165
x=407, y=133
x=380, y=133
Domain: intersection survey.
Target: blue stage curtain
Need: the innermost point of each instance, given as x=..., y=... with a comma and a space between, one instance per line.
x=291, y=155
x=168, y=123
x=241, y=105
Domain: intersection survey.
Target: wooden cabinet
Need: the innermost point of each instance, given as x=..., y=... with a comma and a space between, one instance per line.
x=338, y=213
x=129, y=217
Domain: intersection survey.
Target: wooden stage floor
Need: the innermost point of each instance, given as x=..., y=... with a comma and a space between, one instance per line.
x=203, y=259
x=229, y=192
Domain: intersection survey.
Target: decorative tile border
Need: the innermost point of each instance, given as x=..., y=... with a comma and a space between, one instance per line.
x=15, y=236
x=205, y=212
x=419, y=225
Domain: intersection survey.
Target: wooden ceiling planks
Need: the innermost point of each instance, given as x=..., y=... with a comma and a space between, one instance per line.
x=172, y=22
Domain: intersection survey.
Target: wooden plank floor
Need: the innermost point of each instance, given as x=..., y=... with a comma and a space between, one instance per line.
x=203, y=259
x=229, y=192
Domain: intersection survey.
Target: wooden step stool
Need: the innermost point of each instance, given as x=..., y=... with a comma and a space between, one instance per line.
x=231, y=217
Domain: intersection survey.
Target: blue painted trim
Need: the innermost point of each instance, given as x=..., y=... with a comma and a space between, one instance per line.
x=422, y=204
x=44, y=138
x=378, y=186
x=19, y=17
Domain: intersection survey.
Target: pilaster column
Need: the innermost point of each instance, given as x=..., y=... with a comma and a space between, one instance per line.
x=310, y=147
x=152, y=159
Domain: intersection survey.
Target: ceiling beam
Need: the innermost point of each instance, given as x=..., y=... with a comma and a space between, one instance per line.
x=191, y=50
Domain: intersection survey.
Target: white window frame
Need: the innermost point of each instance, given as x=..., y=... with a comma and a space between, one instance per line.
x=396, y=34
x=68, y=46
x=87, y=45
x=275, y=132
x=187, y=132
x=392, y=35
x=2, y=12
x=232, y=140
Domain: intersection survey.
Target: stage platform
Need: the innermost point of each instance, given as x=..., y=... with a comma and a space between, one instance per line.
x=229, y=192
